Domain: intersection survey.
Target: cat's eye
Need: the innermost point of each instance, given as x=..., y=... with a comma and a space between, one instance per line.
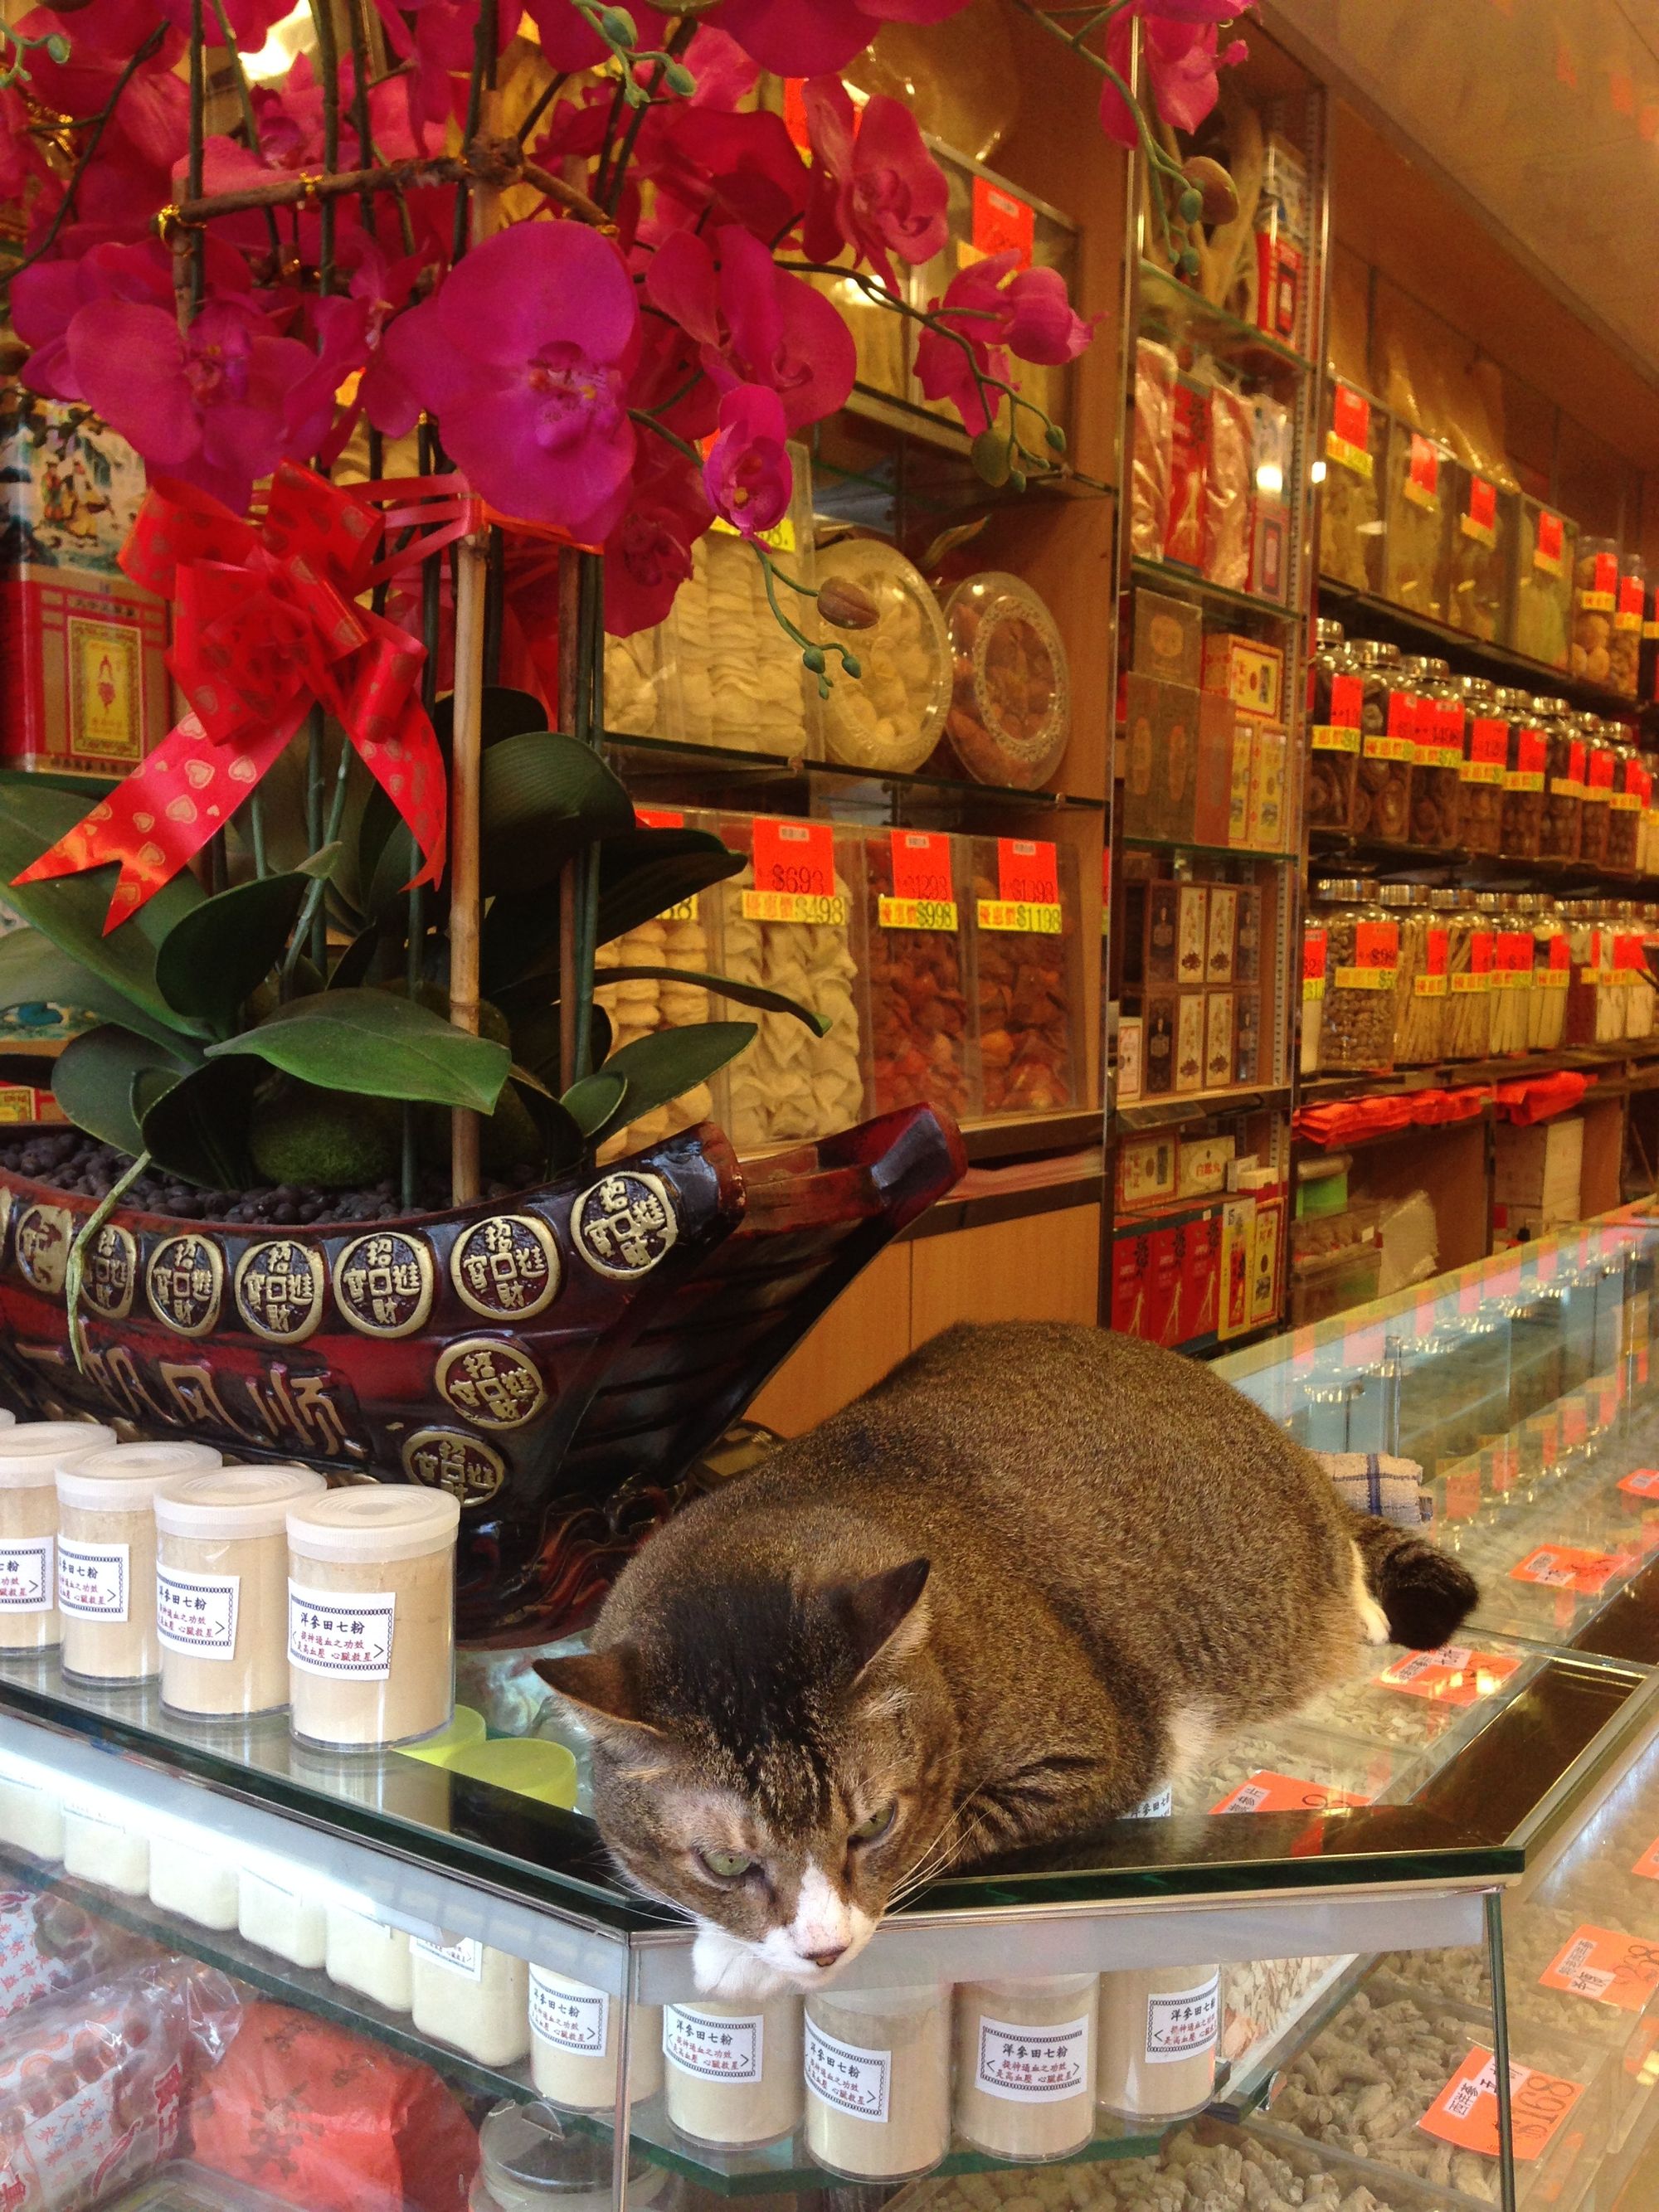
x=726, y=1866
x=871, y=1831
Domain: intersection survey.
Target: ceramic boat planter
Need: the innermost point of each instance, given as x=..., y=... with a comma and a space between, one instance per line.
x=557, y=1360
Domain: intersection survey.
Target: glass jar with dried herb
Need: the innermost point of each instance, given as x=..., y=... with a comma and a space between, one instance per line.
x=1486, y=751
x=1389, y=744
x=1362, y=959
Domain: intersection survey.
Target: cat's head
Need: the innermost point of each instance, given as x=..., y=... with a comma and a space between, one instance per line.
x=774, y=1758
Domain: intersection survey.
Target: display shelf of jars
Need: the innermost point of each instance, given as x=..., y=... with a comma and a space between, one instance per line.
x=1335, y=849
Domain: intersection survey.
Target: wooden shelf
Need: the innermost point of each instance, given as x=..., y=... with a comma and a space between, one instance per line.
x=1463, y=1075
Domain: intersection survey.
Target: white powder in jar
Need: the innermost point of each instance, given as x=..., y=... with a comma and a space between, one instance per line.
x=1025, y=2065
x=371, y=1636
x=221, y=1588
x=364, y=1955
x=573, y=2039
x=878, y=2065
x=194, y=1873
x=31, y=1810
x=105, y=1844
x=30, y=1457
x=107, y=1556
x=1158, y=2030
x=472, y=1997
x=734, y=2070
x=278, y=1908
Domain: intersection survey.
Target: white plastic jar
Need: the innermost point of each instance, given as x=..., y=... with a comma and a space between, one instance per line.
x=105, y=1841
x=878, y=2065
x=573, y=2044
x=472, y=1997
x=194, y=1873
x=734, y=2070
x=221, y=1588
x=30, y=1456
x=1160, y=2028
x=530, y=2162
x=1025, y=2065
x=363, y=1953
x=279, y=1906
x=107, y=1556
x=371, y=1602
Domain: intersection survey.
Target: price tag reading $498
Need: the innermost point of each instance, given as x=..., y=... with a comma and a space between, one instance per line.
x=923, y=895
x=795, y=875
x=1028, y=890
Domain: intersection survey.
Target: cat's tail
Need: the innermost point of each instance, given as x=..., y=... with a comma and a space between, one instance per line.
x=1424, y=1595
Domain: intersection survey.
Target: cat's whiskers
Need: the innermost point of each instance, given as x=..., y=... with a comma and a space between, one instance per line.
x=631, y=1880
x=936, y=1855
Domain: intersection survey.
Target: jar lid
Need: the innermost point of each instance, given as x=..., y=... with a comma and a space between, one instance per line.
x=1515, y=700
x=535, y=2150
x=1443, y=898
x=374, y=1521
x=1011, y=703
x=234, y=1501
x=1399, y=894
x=1474, y=687
x=890, y=716
x=1326, y=632
x=126, y=1477
x=1343, y=887
x=1546, y=703
x=31, y=1452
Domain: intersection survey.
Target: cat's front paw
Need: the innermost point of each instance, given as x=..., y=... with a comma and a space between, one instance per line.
x=723, y=1967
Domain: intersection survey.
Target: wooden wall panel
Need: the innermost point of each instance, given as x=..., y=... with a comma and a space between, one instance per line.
x=1044, y=1268
x=864, y=1332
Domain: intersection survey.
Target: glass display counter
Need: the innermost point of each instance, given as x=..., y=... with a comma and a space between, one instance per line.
x=235, y=1972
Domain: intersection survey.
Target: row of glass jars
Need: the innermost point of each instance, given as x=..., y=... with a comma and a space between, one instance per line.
x=1402, y=752
x=1406, y=975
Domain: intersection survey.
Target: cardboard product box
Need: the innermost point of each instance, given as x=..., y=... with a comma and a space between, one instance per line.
x=1132, y=1260
x=1201, y=1165
x=1152, y=917
x=1168, y=639
x=1218, y=1040
x=1160, y=765
x=1158, y=1016
x=1266, y=1260
x=1281, y=240
x=1189, y=1042
x=1247, y=1039
x=1236, y=1265
x=1238, y=794
x=1221, y=956
x=22, y=1104
x=1146, y=1169
x=1265, y=832
x=1249, y=673
x=1141, y=705
x=83, y=647
x=1203, y=1273
x=1191, y=933
x=1247, y=964
x=1540, y=1169
x=1213, y=779
x=1130, y=1060
x=1164, y=1278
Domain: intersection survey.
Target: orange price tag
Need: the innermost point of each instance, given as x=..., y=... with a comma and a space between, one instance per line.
x=1642, y=1482
x=924, y=895
x=1612, y=1969
x=1267, y=1792
x=1453, y=1675
x=1028, y=889
x=1648, y=1865
x=1422, y=483
x=1546, y=553
x=1465, y=2112
x=1348, y=438
x=1000, y=220
x=794, y=874
x=1480, y=520
x=1560, y=1566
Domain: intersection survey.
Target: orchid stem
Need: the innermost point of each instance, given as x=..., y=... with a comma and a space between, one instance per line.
x=245, y=102
x=75, y=1269
x=328, y=59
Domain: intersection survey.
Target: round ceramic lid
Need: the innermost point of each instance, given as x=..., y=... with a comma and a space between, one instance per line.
x=891, y=716
x=1010, y=704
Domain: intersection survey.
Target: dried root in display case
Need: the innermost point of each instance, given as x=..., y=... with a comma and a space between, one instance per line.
x=1227, y=489
x=1417, y=541
x=1547, y=554
x=632, y=675
x=1350, y=498
x=1261, y=1998
x=1480, y=554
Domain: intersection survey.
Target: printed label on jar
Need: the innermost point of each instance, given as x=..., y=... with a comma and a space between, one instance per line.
x=26, y=1578
x=1488, y=749
x=1329, y=738
x=1547, y=548
x=341, y=1632
x=1033, y=2065
x=794, y=865
x=458, y=1955
x=196, y=1614
x=1628, y=613
x=1314, y=945
x=713, y=2049
x=853, y=2079
x=93, y=1580
x=577, y=2021
x=1184, y=2023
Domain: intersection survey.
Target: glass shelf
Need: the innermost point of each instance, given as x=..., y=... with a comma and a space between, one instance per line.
x=1165, y=300
x=1209, y=851
x=665, y=758
x=1166, y=576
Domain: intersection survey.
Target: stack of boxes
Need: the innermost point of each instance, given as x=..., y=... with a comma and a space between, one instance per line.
x=1192, y=982
x=1538, y=1173
x=1209, y=1267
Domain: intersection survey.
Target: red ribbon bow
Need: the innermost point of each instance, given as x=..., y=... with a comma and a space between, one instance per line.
x=265, y=628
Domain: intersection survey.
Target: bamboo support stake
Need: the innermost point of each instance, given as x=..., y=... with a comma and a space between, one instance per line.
x=465, y=898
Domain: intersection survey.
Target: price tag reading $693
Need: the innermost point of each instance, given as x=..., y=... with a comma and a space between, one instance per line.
x=795, y=875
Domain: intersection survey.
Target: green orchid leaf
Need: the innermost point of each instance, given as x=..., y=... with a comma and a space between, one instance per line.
x=378, y=1045
x=592, y=1102
x=541, y=798
x=219, y=954
x=642, y=873
x=724, y=986
x=353, y=966
x=70, y=910
x=563, y=1140
x=197, y=1127
x=89, y=789
x=33, y=972
x=667, y=1064
x=325, y=862
x=93, y=1081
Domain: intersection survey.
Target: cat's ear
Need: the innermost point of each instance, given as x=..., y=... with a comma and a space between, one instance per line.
x=605, y=1683
x=884, y=1616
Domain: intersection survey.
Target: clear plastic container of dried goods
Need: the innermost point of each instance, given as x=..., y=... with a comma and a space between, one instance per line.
x=1595, y=602
x=1483, y=533
x=1563, y=780
x=1416, y=515
x=1028, y=976
x=1485, y=753
x=1437, y=769
x=1351, y=526
x=1288, y=1767
x=1382, y=800
x=1511, y=977
x=1552, y=968
x=802, y=934
x=635, y=686
x=1521, y=836
x=1229, y=487
x=1333, y=733
x=1472, y=951
x=1595, y=1007
x=889, y=716
x=1156, y=370
x=1362, y=959
x=1625, y=809
x=1421, y=987
x=1598, y=763
x=919, y=1034
x=1627, y=616
x=1011, y=703
x=1545, y=555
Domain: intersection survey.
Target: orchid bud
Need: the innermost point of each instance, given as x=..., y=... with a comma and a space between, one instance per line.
x=1218, y=194
x=813, y=657
x=847, y=605
x=990, y=456
x=851, y=663
x=1056, y=437
x=680, y=79
x=617, y=27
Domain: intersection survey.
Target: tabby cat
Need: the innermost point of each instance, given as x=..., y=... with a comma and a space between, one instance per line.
x=1019, y=1586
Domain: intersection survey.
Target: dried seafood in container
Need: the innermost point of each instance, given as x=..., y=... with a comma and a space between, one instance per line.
x=1486, y=751
x=1627, y=613
x=1438, y=767
x=1421, y=993
x=1480, y=554
x=890, y=715
x=1630, y=961
x=1227, y=488
x=1629, y=797
x=1383, y=798
x=1521, y=836
x=1552, y=970
x=1595, y=602
x=1334, y=735
x=633, y=680
x=1350, y=500
x=737, y=676
x=1027, y=979
x=1547, y=554
x=1471, y=950
x=920, y=1044
x=1418, y=524
x=1362, y=957
x=1149, y=478
x=1010, y=704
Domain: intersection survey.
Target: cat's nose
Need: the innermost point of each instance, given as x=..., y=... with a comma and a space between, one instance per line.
x=827, y=1958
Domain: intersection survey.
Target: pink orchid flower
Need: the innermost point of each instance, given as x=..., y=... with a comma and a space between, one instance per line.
x=753, y=323
x=523, y=355
x=208, y=406
x=805, y=38
x=1182, y=62
x=747, y=475
x=46, y=297
x=647, y=555
x=875, y=186
x=1001, y=309
x=711, y=167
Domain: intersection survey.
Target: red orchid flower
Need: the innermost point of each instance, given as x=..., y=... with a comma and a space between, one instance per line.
x=747, y=475
x=1002, y=309
x=874, y=185
x=647, y=555
x=754, y=323
x=1182, y=62
x=804, y=38
x=711, y=167
x=45, y=298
